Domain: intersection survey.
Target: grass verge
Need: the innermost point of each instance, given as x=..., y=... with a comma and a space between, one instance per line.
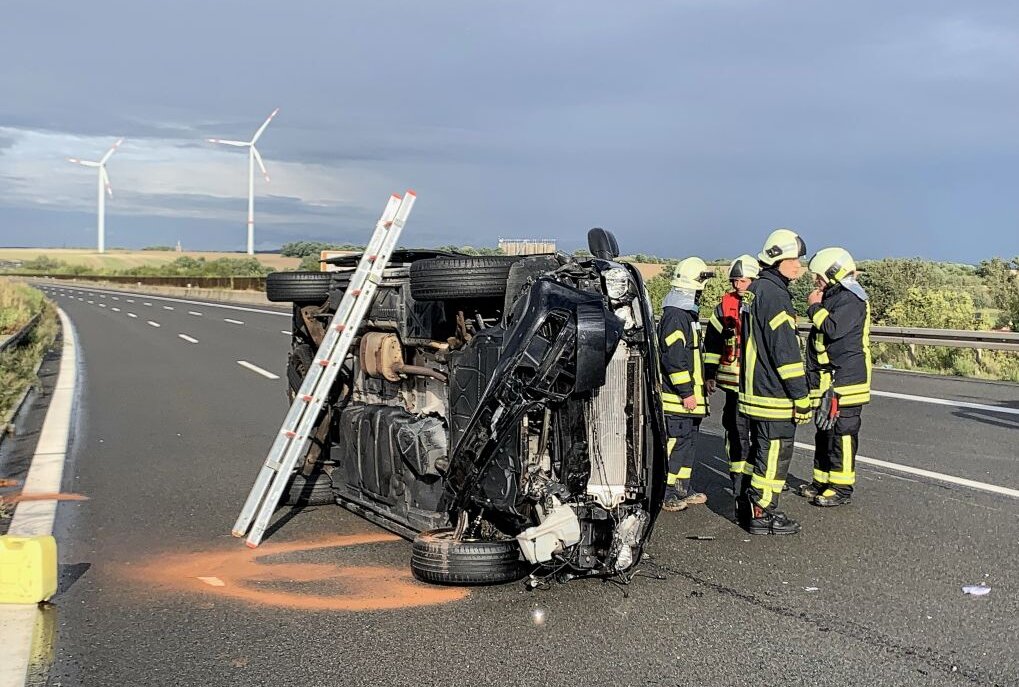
x=18, y=304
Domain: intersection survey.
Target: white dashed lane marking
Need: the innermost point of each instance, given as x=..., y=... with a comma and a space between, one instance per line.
x=115, y=309
x=196, y=314
x=257, y=370
x=227, y=319
x=154, y=324
x=284, y=331
x=167, y=307
x=188, y=338
x=131, y=314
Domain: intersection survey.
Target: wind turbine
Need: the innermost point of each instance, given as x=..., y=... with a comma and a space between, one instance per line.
x=103, y=184
x=253, y=157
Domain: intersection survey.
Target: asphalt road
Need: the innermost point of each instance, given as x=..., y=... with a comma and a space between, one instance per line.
x=170, y=434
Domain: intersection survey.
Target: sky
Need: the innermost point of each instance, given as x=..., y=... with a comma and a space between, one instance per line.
x=690, y=127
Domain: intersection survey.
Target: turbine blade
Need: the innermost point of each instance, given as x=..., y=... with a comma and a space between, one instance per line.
x=261, y=165
x=106, y=180
x=111, y=151
x=264, y=124
x=83, y=163
x=239, y=144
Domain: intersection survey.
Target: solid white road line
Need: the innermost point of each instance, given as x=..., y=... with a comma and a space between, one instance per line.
x=131, y=314
x=33, y=518
x=196, y=314
x=946, y=402
x=227, y=319
x=939, y=476
x=257, y=369
x=154, y=324
x=188, y=338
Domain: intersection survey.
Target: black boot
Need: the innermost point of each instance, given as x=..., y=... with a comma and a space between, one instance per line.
x=811, y=490
x=829, y=498
x=763, y=521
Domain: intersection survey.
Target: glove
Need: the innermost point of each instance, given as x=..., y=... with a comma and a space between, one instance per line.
x=801, y=411
x=827, y=412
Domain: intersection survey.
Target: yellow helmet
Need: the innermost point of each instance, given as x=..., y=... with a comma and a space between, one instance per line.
x=691, y=273
x=832, y=264
x=782, y=244
x=744, y=267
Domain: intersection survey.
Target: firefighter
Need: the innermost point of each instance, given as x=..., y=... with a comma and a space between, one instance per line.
x=683, y=393
x=773, y=390
x=838, y=372
x=721, y=366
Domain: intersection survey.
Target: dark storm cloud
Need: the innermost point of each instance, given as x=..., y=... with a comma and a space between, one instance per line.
x=885, y=127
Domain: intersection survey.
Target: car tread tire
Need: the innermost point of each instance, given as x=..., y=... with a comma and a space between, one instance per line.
x=297, y=287
x=438, y=558
x=313, y=490
x=439, y=279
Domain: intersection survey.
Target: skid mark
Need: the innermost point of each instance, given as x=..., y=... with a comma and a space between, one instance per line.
x=259, y=577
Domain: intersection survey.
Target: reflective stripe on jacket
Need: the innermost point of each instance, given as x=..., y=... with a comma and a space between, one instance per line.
x=722, y=343
x=679, y=339
x=772, y=376
x=838, y=348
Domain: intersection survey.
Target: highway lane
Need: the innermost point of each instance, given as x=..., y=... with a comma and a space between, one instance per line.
x=171, y=435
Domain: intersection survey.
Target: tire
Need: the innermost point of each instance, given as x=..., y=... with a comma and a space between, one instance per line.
x=298, y=365
x=297, y=287
x=315, y=490
x=440, y=279
x=439, y=559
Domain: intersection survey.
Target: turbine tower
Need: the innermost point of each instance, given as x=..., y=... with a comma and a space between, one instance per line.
x=103, y=185
x=253, y=157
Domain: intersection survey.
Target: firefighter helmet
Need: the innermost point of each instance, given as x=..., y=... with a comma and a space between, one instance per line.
x=832, y=264
x=691, y=273
x=782, y=244
x=744, y=267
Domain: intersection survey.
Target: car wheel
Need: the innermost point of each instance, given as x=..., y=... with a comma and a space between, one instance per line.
x=439, y=279
x=440, y=559
x=298, y=365
x=297, y=287
x=313, y=490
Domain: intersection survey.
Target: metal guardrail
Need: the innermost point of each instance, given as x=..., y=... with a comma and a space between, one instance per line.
x=228, y=283
x=948, y=338
x=15, y=338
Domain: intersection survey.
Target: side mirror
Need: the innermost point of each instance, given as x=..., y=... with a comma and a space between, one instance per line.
x=602, y=244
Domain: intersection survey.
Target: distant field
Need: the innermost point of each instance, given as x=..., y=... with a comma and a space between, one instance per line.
x=126, y=259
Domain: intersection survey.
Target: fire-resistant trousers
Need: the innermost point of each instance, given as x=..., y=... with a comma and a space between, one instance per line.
x=771, y=451
x=682, y=431
x=736, y=427
x=835, y=452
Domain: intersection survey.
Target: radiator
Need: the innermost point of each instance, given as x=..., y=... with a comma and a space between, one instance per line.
x=606, y=433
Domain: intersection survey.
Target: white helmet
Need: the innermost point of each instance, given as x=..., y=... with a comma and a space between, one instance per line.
x=744, y=267
x=691, y=273
x=782, y=244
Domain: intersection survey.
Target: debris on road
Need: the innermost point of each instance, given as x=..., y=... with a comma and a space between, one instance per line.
x=811, y=589
x=538, y=616
x=976, y=589
x=701, y=537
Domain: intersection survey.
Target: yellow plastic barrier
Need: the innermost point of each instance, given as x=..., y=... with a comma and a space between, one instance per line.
x=28, y=569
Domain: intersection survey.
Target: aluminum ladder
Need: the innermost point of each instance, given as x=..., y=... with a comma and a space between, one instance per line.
x=291, y=444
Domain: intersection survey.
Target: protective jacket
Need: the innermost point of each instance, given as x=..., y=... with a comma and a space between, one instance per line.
x=772, y=376
x=838, y=349
x=679, y=340
x=722, y=343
